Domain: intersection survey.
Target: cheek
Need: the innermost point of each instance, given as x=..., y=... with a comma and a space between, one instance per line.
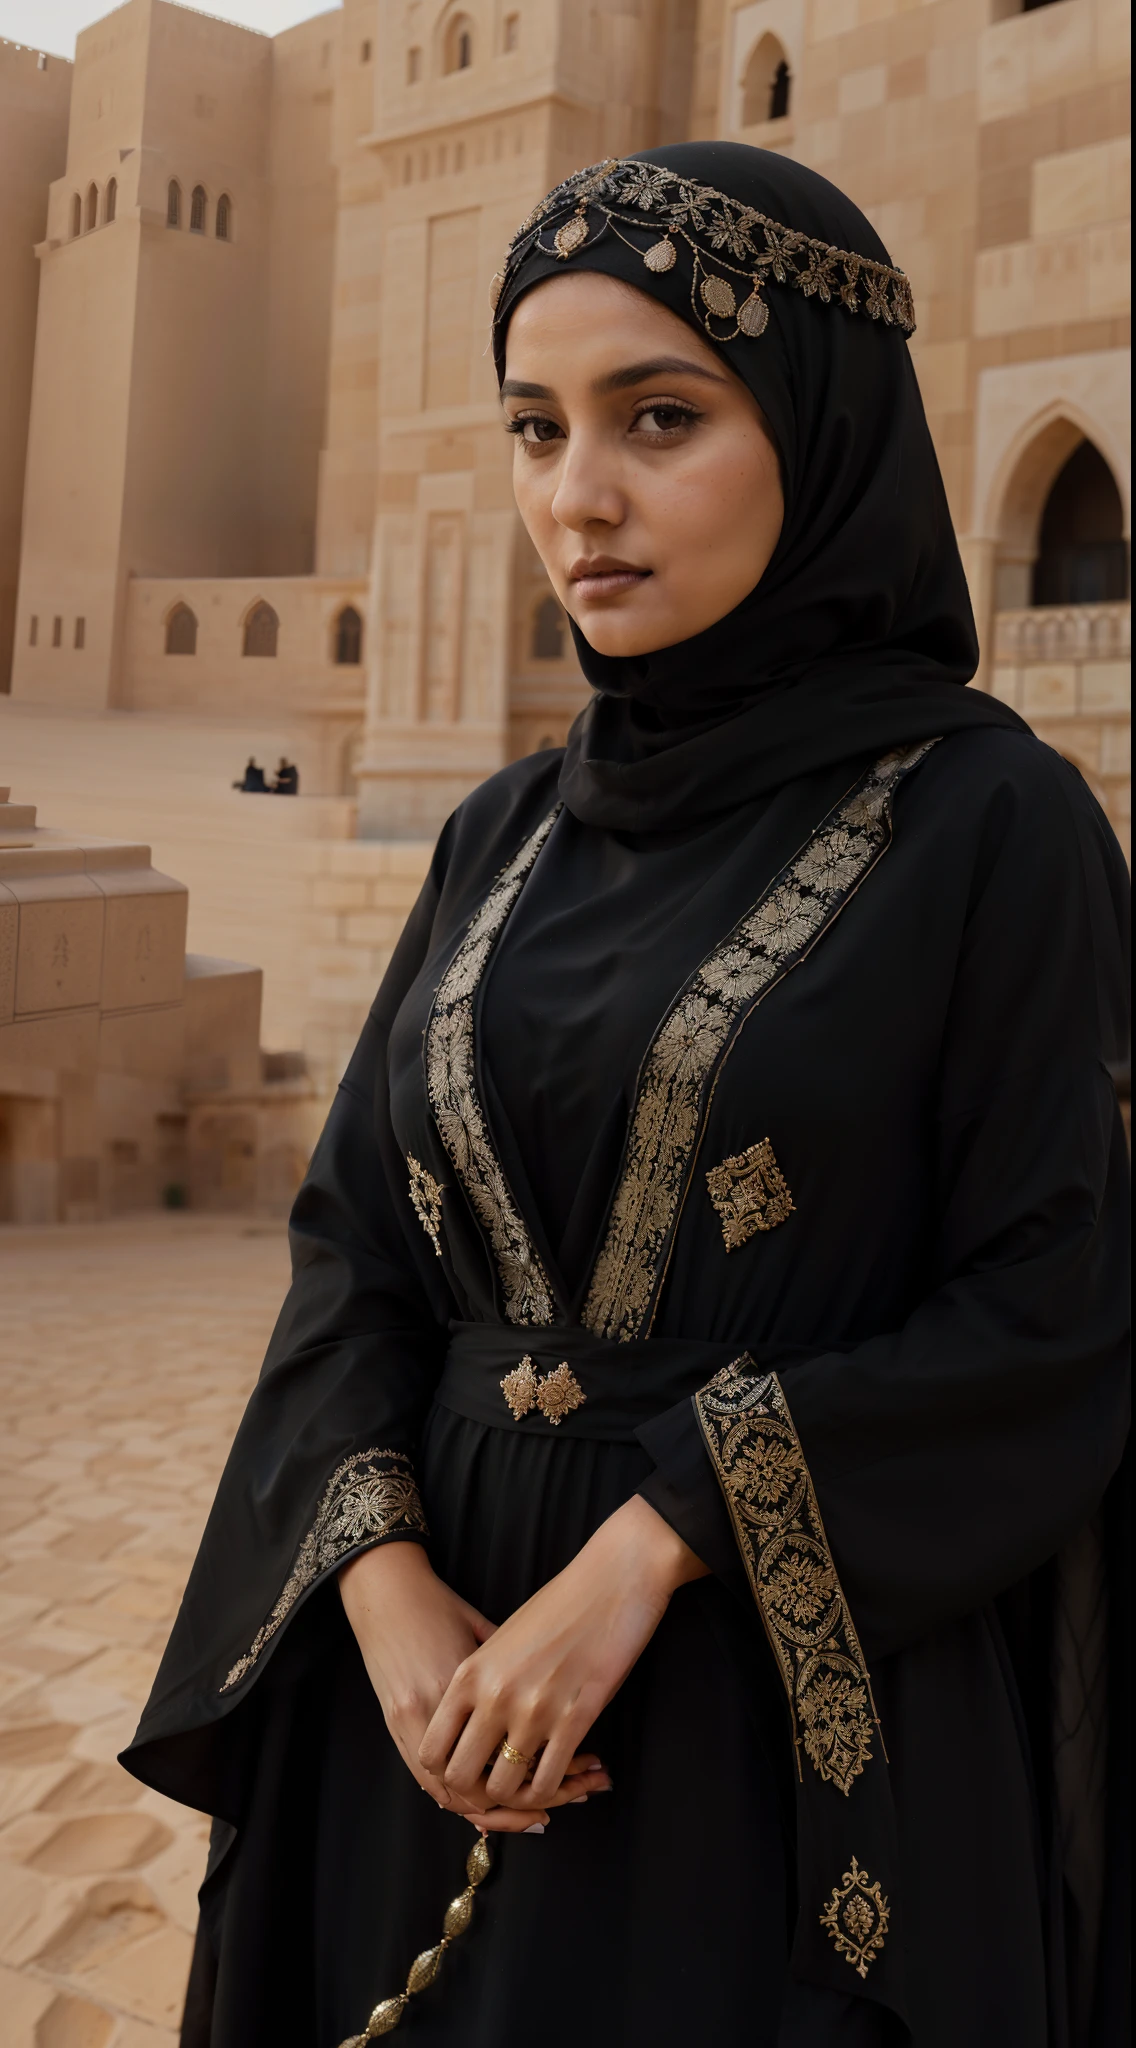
x=719, y=516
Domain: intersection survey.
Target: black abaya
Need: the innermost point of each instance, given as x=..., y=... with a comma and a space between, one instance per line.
x=776, y=1114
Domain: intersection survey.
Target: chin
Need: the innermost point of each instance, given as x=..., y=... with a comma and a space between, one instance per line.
x=623, y=638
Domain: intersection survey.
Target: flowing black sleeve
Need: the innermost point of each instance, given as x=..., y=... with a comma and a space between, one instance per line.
x=322, y=1466
x=936, y=1465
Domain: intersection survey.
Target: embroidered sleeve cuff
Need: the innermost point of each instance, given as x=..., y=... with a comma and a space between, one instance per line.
x=765, y=1482
x=370, y=1498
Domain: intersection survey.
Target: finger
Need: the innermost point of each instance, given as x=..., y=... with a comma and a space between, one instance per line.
x=441, y=1737
x=507, y=1776
x=481, y=1626
x=505, y=1820
x=473, y=1757
x=553, y=1762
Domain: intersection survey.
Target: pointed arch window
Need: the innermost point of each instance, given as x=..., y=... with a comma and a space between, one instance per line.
x=111, y=206
x=548, y=631
x=181, y=631
x=76, y=215
x=766, y=83
x=197, y=210
x=92, y=220
x=261, y=629
x=173, y=204
x=224, y=217
x=348, y=637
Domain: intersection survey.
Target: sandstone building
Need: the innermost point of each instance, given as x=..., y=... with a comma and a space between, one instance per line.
x=266, y=504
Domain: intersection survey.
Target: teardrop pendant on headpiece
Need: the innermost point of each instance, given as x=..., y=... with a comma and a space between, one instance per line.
x=570, y=237
x=719, y=298
x=753, y=314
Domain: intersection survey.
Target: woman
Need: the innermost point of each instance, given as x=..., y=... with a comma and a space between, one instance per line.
x=685, y=1451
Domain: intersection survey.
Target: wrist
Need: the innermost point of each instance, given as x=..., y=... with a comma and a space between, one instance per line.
x=643, y=1545
x=384, y=1564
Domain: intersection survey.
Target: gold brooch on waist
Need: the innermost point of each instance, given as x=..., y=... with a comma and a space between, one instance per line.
x=556, y=1395
x=856, y=1917
x=750, y=1193
x=426, y=1201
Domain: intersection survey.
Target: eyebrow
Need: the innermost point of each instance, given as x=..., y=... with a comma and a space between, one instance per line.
x=621, y=380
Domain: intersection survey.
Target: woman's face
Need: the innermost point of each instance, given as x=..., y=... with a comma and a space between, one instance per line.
x=643, y=468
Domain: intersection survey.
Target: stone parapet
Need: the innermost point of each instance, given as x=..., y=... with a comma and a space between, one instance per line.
x=1068, y=670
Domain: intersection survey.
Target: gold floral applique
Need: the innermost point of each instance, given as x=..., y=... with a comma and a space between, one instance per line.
x=750, y=1193
x=556, y=1394
x=368, y=1497
x=426, y=1201
x=856, y=1917
x=451, y=1083
x=757, y=1455
x=678, y=1072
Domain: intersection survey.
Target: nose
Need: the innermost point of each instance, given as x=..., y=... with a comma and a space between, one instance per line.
x=589, y=491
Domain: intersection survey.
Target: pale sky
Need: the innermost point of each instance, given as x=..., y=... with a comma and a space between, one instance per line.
x=52, y=25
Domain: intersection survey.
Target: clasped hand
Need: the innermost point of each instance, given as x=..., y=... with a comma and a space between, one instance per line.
x=538, y=1682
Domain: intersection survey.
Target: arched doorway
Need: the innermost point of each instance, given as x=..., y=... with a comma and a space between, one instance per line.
x=1058, y=645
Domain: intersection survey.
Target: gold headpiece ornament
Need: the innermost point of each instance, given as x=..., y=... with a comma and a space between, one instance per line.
x=726, y=239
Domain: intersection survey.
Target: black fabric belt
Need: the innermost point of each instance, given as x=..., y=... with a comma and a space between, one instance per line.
x=623, y=1385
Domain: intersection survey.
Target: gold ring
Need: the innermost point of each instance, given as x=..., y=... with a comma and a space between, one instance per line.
x=515, y=1756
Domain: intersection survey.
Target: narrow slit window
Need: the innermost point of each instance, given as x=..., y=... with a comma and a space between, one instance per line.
x=365, y=52
x=173, y=204
x=197, y=211
x=80, y=632
x=414, y=67
x=224, y=218
x=548, y=631
x=76, y=214
x=111, y=207
x=348, y=637
x=33, y=631
x=512, y=35
x=57, y=631
x=92, y=207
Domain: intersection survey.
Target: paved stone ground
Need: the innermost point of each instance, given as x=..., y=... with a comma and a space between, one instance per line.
x=127, y=1351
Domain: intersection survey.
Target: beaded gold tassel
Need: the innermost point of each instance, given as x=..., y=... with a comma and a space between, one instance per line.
x=426, y=1966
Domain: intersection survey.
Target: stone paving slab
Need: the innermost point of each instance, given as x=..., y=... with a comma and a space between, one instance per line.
x=127, y=1350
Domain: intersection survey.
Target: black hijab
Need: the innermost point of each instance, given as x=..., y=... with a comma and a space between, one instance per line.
x=860, y=635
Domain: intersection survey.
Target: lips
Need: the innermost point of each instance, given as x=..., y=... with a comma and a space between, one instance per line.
x=601, y=576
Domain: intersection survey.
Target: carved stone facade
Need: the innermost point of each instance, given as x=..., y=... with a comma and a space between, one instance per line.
x=269, y=389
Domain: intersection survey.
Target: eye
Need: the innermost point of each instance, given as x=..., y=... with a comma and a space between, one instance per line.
x=665, y=419
x=534, y=429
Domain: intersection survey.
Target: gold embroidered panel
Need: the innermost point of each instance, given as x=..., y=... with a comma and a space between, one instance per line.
x=750, y=1193
x=677, y=1074
x=757, y=1455
x=856, y=1917
x=452, y=1088
x=369, y=1496
x=426, y=1200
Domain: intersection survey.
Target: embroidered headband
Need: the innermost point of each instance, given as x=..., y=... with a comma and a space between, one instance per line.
x=626, y=193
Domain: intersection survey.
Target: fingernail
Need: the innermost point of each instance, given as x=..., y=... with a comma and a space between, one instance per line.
x=536, y=1829
x=581, y=1801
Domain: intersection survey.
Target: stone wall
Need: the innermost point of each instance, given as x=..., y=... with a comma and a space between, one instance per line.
x=1069, y=672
